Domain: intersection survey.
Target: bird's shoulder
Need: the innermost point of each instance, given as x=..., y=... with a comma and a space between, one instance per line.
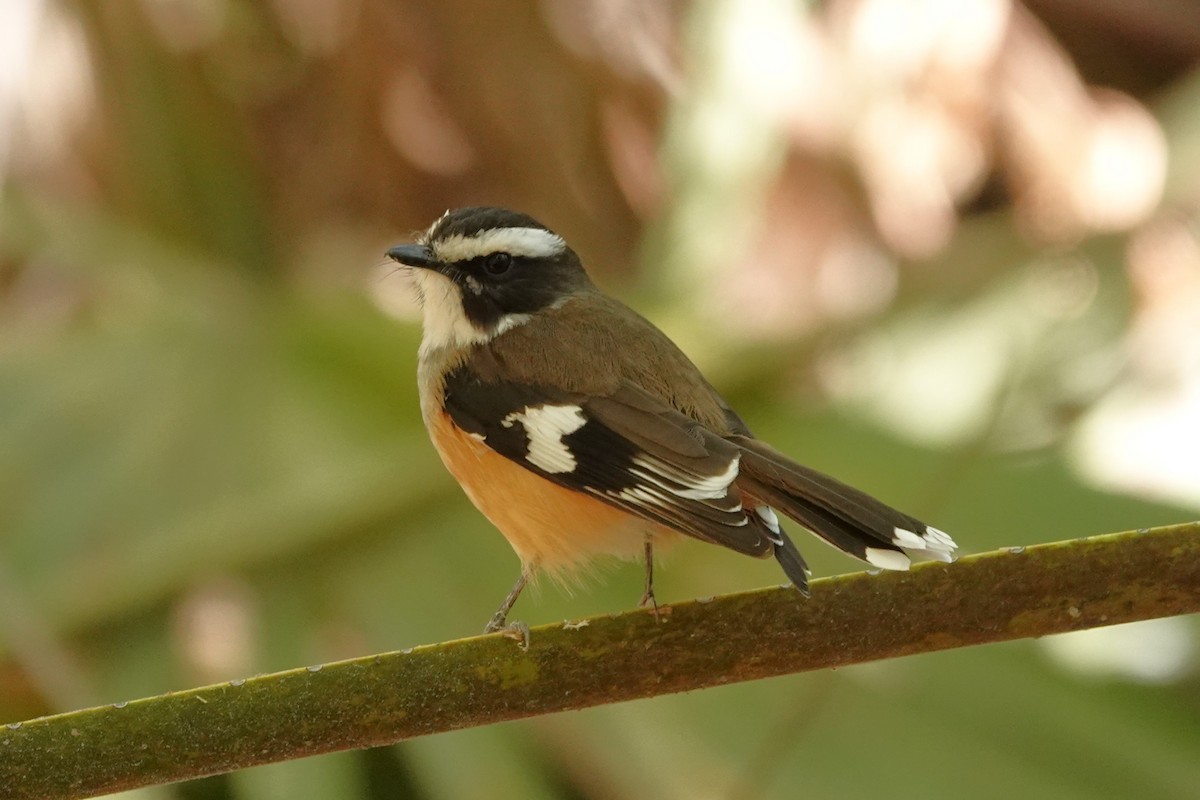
x=594, y=345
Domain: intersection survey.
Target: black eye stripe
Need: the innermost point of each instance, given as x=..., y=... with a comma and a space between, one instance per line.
x=478, y=264
x=525, y=286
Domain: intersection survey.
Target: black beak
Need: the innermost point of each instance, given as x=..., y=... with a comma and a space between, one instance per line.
x=413, y=255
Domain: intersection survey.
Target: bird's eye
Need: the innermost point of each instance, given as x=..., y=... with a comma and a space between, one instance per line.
x=497, y=263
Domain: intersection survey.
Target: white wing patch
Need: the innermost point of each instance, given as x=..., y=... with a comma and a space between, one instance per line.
x=664, y=484
x=697, y=487
x=640, y=496
x=661, y=486
x=545, y=427
x=654, y=498
x=528, y=242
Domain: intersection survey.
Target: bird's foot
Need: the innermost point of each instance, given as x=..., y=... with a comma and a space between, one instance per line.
x=648, y=600
x=517, y=631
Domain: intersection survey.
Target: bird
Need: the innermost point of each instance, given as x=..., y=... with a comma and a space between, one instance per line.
x=580, y=430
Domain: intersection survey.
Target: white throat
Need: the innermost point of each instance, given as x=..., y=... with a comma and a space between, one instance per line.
x=446, y=325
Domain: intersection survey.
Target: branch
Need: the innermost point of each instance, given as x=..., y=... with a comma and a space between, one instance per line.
x=993, y=597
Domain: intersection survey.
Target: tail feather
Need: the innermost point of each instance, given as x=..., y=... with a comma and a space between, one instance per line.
x=785, y=551
x=850, y=520
x=793, y=564
x=836, y=530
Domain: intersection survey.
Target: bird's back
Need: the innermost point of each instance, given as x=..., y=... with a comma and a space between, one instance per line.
x=622, y=346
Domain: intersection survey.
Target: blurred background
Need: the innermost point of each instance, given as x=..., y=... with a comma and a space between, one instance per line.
x=948, y=250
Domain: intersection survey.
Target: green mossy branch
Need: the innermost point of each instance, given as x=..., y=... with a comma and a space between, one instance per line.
x=992, y=597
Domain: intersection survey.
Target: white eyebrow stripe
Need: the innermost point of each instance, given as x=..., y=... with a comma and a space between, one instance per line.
x=528, y=242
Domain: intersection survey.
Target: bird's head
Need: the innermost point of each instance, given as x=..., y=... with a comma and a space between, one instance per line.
x=482, y=271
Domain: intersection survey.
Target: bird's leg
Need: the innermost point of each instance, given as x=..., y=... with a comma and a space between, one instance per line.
x=648, y=594
x=499, y=621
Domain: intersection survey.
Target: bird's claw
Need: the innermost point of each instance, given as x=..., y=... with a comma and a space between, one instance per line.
x=517, y=631
x=649, y=600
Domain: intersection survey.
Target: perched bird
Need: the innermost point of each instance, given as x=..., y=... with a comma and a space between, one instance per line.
x=579, y=429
